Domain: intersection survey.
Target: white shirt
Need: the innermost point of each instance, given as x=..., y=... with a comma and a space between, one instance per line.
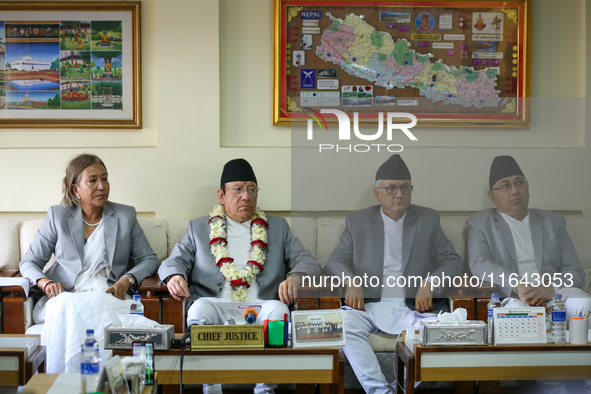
x=524, y=247
x=239, y=238
x=393, y=266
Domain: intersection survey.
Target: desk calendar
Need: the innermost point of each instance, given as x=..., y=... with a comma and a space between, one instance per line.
x=514, y=326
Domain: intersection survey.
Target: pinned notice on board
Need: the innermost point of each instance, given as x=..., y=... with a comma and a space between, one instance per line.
x=446, y=20
x=487, y=55
x=328, y=84
x=310, y=30
x=425, y=37
x=443, y=45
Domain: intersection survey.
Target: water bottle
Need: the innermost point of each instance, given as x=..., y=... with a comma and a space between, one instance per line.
x=558, y=320
x=137, y=308
x=493, y=303
x=90, y=364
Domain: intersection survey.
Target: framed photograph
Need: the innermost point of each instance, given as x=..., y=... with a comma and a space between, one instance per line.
x=449, y=63
x=116, y=376
x=320, y=328
x=70, y=65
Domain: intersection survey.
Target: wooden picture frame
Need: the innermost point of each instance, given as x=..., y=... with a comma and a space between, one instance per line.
x=318, y=328
x=70, y=64
x=465, y=62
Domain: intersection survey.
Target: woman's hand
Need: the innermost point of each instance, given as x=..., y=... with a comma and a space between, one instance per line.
x=119, y=289
x=51, y=288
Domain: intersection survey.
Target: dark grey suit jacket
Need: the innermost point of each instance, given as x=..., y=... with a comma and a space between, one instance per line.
x=425, y=249
x=62, y=233
x=491, y=248
x=193, y=259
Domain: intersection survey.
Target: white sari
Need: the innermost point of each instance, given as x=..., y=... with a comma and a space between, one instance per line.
x=68, y=315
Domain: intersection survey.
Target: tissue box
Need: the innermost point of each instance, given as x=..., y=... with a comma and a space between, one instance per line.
x=470, y=333
x=118, y=336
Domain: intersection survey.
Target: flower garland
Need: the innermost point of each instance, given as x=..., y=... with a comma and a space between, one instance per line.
x=239, y=280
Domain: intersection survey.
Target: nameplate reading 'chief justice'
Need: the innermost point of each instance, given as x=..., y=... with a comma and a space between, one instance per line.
x=212, y=337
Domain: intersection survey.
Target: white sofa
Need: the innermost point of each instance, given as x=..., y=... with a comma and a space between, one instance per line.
x=320, y=236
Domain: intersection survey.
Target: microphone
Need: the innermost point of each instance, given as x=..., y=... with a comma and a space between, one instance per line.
x=250, y=315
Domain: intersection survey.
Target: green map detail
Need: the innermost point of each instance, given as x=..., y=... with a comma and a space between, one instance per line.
x=423, y=59
x=455, y=73
x=334, y=27
x=437, y=66
x=364, y=52
x=471, y=77
x=491, y=73
x=377, y=39
x=401, y=53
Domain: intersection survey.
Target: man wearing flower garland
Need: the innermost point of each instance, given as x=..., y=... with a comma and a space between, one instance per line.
x=237, y=257
x=403, y=246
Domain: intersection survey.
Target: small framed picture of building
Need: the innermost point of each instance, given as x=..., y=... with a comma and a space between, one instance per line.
x=70, y=65
x=321, y=328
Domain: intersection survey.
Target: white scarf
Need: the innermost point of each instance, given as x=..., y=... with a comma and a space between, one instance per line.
x=95, y=267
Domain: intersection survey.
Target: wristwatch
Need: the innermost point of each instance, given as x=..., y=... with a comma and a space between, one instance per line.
x=131, y=279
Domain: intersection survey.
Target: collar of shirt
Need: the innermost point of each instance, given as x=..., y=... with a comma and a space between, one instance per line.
x=232, y=222
x=511, y=220
x=389, y=222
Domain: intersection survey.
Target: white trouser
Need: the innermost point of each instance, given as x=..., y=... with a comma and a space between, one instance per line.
x=363, y=360
x=205, y=309
x=387, y=316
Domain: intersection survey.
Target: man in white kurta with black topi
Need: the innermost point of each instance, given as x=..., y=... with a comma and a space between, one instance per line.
x=237, y=257
x=528, y=245
x=392, y=241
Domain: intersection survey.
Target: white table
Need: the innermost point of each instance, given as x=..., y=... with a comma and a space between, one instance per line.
x=488, y=364
x=66, y=383
x=285, y=365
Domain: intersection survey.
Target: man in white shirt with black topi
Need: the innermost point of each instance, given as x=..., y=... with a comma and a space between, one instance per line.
x=392, y=242
x=513, y=241
x=237, y=257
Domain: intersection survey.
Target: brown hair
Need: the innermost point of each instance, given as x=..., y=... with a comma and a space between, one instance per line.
x=73, y=171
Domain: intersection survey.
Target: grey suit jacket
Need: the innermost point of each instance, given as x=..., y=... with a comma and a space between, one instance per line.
x=425, y=249
x=193, y=259
x=62, y=233
x=491, y=248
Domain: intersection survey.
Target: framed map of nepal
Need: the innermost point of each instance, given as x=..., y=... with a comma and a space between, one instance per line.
x=70, y=64
x=450, y=63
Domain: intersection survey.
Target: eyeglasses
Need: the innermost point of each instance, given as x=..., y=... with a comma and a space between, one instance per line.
x=391, y=190
x=253, y=191
x=506, y=187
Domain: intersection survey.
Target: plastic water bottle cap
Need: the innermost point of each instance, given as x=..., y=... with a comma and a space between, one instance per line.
x=90, y=331
x=136, y=297
x=558, y=297
x=494, y=295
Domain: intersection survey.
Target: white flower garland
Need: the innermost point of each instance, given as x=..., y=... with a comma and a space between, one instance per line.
x=241, y=280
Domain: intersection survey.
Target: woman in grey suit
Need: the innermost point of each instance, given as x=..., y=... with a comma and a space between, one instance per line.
x=93, y=241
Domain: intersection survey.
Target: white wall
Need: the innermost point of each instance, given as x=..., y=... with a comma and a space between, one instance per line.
x=193, y=123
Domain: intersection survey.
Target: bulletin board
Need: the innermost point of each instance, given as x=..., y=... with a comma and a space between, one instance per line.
x=450, y=63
